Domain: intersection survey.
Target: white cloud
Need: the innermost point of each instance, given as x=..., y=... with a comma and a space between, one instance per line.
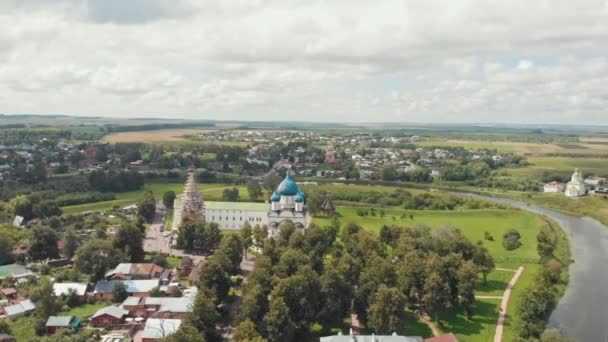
x=519, y=61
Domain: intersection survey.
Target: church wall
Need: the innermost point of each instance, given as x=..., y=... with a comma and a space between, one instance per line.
x=234, y=219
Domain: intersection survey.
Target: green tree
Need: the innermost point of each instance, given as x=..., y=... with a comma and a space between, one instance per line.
x=216, y=278
x=230, y=195
x=535, y=308
x=186, y=234
x=546, y=243
x=301, y=293
x=146, y=208
x=336, y=295
x=95, y=257
x=386, y=310
x=246, y=332
x=467, y=280
x=22, y=206
x=43, y=243
x=45, y=299
x=378, y=271
x=168, y=198
x=437, y=292
x=70, y=242
x=314, y=201
x=5, y=328
x=254, y=189
x=484, y=260
x=511, y=240
x=278, y=322
x=389, y=173
x=260, y=234
x=411, y=276
x=205, y=316
x=6, y=249
x=553, y=335
x=186, y=333
x=130, y=240
x=119, y=292
x=246, y=237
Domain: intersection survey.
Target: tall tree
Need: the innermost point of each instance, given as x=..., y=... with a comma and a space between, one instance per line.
x=186, y=333
x=6, y=250
x=336, y=294
x=254, y=189
x=246, y=237
x=278, y=322
x=95, y=257
x=260, y=233
x=205, y=316
x=467, y=279
x=483, y=260
x=45, y=299
x=436, y=297
x=246, y=332
x=70, y=242
x=386, y=310
x=130, y=239
x=215, y=277
x=43, y=243
x=146, y=208
x=168, y=199
x=119, y=292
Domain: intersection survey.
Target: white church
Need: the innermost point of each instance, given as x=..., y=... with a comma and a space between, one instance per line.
x=576, y=185
x=287, y=203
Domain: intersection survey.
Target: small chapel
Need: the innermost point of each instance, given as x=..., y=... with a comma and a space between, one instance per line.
x=576, y=185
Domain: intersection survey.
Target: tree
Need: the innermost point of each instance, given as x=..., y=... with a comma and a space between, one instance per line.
x=6, y=249
x=336, y=295
x=186, y=234
x=119, y=292
x=204, y=315
x=130, y=239
x=279, y=325
x=411, y=276
x=553, y=335
x=301, y=295
x=146, y=208
x=232, y=247
x=484, y=260
x=186, y=333
x=254, y=189
x=5, y=328
x=467, y=279
x=230, y=195
x=389, y=173
x=168, y=198
x=43, y=243
x=22, y=206
x=45, y=299
x=95, y=257
x=155, y=292
x=314, y=201
x=260, y=234
x=535, y=308
x=70, y=243
x=511, y=240
x=378, y=271
x=246, y=332
x=246, y=237
x=546, y=244
x=437, y=292
x=215, y=277
x=386, y=310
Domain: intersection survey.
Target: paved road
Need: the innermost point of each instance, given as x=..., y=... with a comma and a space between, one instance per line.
x=582, y=313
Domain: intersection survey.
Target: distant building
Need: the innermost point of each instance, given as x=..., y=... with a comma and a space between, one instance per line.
x=110, y=315
x=64, y=289
x=159, y=329
x=330, y=155
x=126, y=271
x=138, y=288
x=20, y=309
x=554, y=187
x=328, y=207
x=370, y=338
x=55, y=323
x=576, y=186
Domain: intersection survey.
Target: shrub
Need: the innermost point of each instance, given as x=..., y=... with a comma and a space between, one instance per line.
x=488, y=236
x=511, y=240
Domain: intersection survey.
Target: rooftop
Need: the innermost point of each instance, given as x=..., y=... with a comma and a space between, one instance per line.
x=243, y=206
x=64, y=288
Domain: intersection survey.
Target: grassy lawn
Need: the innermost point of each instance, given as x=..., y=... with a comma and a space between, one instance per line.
x=481, y=327
x=84, y=311
x=496, y=283
x=172, y=262
x=525, y=282
x=473, y=224
x=23, y=329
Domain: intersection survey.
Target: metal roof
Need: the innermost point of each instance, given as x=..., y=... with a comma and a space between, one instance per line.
x=64, y=288
x=243, y=206
x=113, y=310
x=133, y=286
x=59, y=321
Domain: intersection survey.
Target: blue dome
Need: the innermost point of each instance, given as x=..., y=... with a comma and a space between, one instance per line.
x=288, y=187
x=299, y=197
x=275, y=197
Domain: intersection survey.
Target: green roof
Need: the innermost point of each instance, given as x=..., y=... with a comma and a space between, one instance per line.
x=251, y=206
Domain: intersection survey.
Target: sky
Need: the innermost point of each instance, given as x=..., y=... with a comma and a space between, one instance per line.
x=519, y=62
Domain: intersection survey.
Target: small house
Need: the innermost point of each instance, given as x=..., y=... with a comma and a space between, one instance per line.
x=9, y=293
x=138, y=288
x=64, y=289
x=20, y=309
x=111, y=315
x=55, y=323
x=159, y=329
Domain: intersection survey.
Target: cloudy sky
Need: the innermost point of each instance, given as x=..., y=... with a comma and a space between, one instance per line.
x=540, y=61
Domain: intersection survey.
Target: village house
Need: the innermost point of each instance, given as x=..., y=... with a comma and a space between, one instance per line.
x=9, y=293
x=351, y=337
x=137, y=288
x=64, y=289
x=110, y=315
x=56, y=323
x=160, y=307
x=14, y=271
x=554, y=186
x=128, y=271
x=20, y=309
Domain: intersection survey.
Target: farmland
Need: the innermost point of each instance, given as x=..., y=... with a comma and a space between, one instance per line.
x=158, y=136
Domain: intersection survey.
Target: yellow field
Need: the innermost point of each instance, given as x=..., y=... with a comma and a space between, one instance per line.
x=163, y=135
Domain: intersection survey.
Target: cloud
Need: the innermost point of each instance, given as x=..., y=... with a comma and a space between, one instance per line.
x=338, y=60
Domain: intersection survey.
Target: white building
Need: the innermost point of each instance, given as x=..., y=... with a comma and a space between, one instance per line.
x=232, y=215
x=576, y=186
x=554, y=187
x=287, y=204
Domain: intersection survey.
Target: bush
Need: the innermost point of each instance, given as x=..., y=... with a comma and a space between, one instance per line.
x=511, y=240
x=488, y=236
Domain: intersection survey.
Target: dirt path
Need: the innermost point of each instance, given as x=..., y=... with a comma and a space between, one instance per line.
x=504, y=303
x=429, y=322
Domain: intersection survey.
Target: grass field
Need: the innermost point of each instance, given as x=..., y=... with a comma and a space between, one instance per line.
x=163, y=135
x=211, y=191
x=84, y=311
x=473, y=224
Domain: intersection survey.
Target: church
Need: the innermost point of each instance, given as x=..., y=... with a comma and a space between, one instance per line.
x=576, y=185
x=287, y=203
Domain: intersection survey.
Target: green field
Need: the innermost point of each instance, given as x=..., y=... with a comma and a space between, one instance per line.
x=210, y=191
x=473, y=224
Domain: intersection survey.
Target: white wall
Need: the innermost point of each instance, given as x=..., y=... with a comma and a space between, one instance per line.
x=234, y=219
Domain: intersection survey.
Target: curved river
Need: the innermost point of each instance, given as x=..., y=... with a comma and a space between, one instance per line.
x=582, y=313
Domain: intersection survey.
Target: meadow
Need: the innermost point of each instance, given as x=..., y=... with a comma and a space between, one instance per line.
x=163, y=135
x=473, y=224
x=562, y=165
